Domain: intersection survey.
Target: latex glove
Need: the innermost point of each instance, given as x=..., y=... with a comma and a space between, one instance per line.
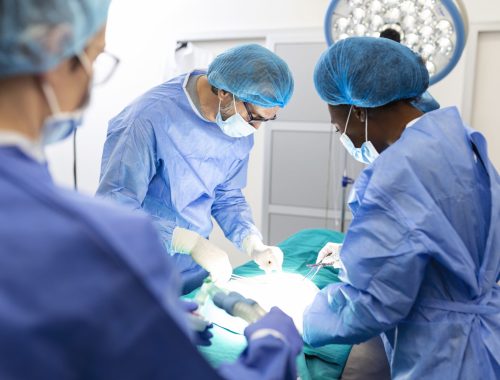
x=213, y=259
x=198, y=324
x=278, y=324
x=268, y=258
x=330, y=255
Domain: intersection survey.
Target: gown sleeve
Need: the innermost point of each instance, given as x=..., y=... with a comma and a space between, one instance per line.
x=230, y=208
x=129, y=165
x=384, y=265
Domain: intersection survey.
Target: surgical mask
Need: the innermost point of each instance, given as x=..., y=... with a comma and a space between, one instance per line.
x=234, y=126
x=60, y=125
x=367, y=153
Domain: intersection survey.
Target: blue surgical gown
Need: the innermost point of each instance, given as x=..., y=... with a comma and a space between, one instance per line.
x=86, y=291
x=163, y=157
x=422, y=257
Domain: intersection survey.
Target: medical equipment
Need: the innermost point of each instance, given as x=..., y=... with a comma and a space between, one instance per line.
x=244, y=300
x=313, y=271
x=300, y=249
x=234, y=303
x=75, y=163
x=346, y=181
x=435, y=29
x=328, y=256
x=314, y=268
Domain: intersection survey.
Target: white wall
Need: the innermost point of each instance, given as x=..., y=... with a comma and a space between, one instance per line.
x=142, y=33
x=484, y=92
x=450, y=90
x=234, y=15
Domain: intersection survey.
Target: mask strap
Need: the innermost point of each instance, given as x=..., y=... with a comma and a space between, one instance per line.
x=51, y=98
x=347, y=122
x=234, y=102
x=366, y=124
x=85, y=62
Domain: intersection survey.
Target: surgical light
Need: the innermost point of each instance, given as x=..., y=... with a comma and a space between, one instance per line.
x=435, y=29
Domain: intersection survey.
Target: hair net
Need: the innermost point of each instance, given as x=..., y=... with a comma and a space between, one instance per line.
x=426, y=103
x=369, y=72
x=36, y=35
x=253, y=74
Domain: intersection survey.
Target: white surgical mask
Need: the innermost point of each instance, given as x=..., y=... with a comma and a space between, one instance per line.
x=60, y=125
x=367, y=153
x=234, y=126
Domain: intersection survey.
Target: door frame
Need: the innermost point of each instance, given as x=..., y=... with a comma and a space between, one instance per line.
x=475, y=30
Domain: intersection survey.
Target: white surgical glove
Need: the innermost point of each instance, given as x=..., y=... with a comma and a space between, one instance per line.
x=268, y=258
x=210, y=257
x=330, y=255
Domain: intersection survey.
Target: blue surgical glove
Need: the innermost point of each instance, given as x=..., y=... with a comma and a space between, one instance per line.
x=198, y=324
x=279, y=325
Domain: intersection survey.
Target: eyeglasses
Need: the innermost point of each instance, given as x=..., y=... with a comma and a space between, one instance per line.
x=252, y=120
x=104, y=67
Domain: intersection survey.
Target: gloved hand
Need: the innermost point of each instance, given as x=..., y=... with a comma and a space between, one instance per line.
x=268, y=258
x=330, y=255
x=213, y=259
x=278, y=324
x=198, y=324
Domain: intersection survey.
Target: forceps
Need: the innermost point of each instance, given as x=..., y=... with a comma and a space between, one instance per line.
x=315, y=268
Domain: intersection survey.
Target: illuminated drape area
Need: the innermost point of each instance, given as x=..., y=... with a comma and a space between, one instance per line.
x=300, y=249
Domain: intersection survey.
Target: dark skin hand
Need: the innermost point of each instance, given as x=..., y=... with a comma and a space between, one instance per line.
x=385, y=124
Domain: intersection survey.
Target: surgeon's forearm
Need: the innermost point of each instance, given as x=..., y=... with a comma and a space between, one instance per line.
x=165, y=230
x=234, y=216
x=116, y=196
x=342, y=316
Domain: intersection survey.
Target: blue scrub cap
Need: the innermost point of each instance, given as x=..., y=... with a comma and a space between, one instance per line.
x=36, y=35
x=254, y=74
x=425, y=103
x=369, y=72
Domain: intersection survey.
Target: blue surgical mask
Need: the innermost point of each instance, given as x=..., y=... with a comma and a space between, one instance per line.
x=60, y=125
x=234, y=126
x=367, y=153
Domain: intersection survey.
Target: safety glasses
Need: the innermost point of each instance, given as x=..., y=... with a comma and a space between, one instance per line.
x=252, y=119
x=104, y=67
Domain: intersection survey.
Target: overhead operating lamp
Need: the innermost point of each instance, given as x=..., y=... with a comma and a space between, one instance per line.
x=435, y=29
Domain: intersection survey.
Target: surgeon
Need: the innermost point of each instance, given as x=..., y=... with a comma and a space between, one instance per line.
x=180, y=153
x=420, y=261
x=86, y=291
